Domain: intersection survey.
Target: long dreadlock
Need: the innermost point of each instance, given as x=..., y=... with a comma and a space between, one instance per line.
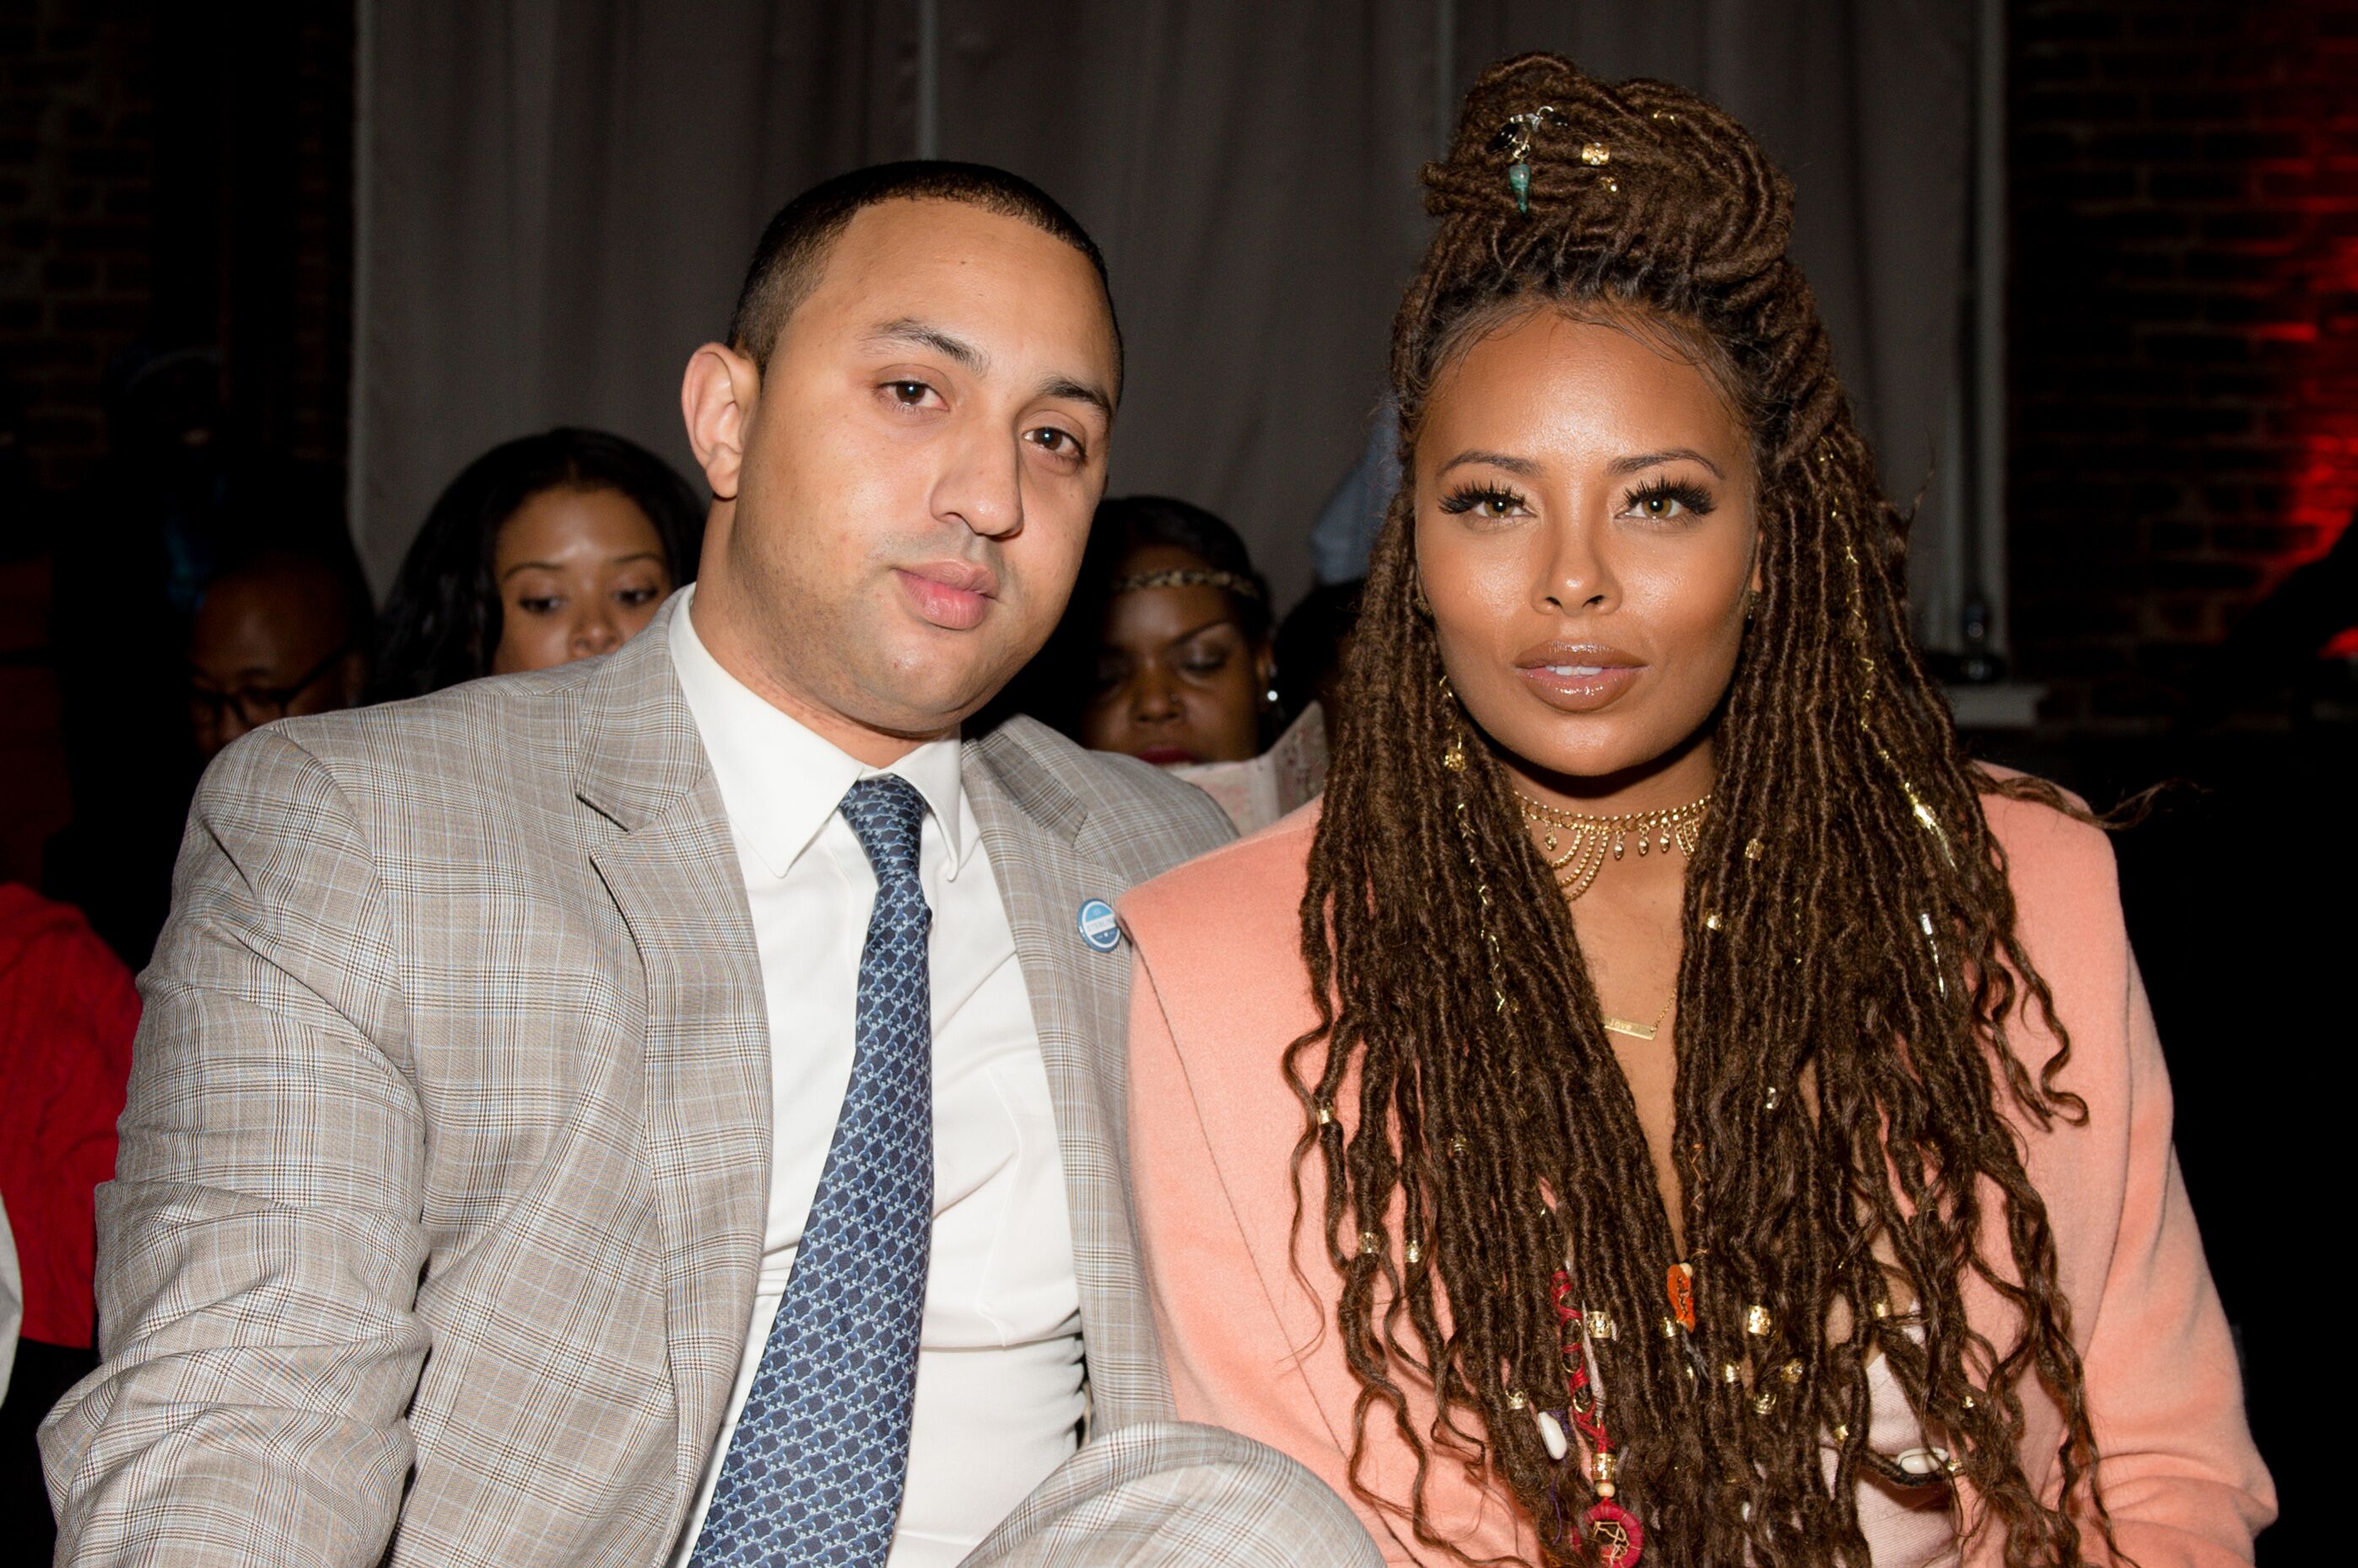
x=1851, y=960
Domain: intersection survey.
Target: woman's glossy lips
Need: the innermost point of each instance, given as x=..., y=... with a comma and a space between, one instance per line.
x=1576, y=677
x=1168, y=756
x=952, y=595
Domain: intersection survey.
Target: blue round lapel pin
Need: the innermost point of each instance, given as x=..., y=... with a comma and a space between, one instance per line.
x=1099, y=928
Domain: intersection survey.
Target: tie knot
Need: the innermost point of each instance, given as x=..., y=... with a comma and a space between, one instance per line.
x=888, y=816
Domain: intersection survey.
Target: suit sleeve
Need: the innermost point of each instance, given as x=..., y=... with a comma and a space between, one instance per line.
x=2184, y=1484
x=259, y=1247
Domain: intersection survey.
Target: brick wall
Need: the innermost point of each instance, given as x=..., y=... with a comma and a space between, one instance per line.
x=77, y=123
x=128, y=144
x=2184, y=332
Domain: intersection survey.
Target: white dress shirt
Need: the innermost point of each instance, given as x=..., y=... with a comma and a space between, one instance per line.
x=999, y=1394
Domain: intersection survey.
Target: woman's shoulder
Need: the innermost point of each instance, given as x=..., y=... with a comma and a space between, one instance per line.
x=2059, y=864
x=1225, y=929
x=1243, y=883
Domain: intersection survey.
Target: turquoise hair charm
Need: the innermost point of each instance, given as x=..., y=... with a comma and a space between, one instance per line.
x=1514, y=139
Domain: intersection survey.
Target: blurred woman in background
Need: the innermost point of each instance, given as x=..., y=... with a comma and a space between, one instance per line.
x=546, y=550
x=1167, y=652
x=1182, y=663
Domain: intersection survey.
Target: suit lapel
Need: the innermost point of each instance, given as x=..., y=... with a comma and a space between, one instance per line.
x=1035, y=829
x=665, y=855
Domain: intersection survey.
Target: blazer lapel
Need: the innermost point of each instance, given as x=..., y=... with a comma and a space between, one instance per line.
x=665, y=852
x=1034, y=829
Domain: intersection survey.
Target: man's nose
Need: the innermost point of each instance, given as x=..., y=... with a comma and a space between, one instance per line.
x=984, y=485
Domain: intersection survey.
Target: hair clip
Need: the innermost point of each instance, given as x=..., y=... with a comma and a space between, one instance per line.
x=1514, y=139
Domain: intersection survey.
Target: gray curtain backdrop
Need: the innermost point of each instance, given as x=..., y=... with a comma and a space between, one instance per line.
x=557, y=199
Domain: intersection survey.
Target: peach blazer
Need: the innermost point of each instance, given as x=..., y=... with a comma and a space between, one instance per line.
x=1221, y=988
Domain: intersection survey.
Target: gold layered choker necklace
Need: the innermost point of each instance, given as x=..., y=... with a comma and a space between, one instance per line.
x=1578, y=845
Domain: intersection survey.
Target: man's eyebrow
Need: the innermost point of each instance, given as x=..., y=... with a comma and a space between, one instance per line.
x=1079, y=392
x=924, y=335
x=1642, y=460
x=1522, y=468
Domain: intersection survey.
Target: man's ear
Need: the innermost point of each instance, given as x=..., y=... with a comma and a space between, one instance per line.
x=717, y=397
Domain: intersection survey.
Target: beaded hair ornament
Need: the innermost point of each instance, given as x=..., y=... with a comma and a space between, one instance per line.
x=1189, y=577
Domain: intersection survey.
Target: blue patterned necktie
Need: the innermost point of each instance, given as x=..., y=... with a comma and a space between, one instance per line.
x=815, y=1472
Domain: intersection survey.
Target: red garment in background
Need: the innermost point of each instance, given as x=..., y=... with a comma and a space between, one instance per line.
x=68, y=1010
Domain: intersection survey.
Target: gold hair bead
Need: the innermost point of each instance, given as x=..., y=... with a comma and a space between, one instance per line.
x=1881, y=1308
x=1969, y=1401
x=1727, y=1372
x=1792, y=1372
x=1755, y=850
x=1596, y=155
x=1711, y=921
x=1325, y=1114
x=1772, y=1097
x=1670, y=1329
x=1602, y=1326
x=1516, y=1400
x=1614, y=186
x=1454, y=759
x=1763, y=1402
x=1458, y=1146
x=1370, y=1242
x=1842, y=1431
x=1756, y=1321
x=1415, y=1252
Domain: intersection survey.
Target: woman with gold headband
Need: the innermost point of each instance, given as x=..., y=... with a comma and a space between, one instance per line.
x=1667, y=1103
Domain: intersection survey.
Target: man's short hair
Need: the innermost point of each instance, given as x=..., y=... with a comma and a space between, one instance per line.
x=793, y=252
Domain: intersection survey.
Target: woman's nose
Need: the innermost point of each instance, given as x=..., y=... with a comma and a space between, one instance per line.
x=1154, y=699
x=596, y=634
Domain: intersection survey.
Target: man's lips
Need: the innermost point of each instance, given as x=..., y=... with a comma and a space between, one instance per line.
x=1168, y=756
x=1578, y=677
x=953, y=595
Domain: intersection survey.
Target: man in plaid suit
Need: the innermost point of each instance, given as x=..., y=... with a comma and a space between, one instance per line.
x=448, y=1223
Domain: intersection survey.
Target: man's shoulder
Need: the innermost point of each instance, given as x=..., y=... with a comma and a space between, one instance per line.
x=493, y=715
x=1138, y=818
x=461, y=744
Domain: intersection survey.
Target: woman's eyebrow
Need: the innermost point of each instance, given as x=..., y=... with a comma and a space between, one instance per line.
x=1643, y=461
x=1522, y=468
x=1217, y=621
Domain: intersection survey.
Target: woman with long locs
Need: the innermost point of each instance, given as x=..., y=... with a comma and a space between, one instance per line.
x=1667, y=1103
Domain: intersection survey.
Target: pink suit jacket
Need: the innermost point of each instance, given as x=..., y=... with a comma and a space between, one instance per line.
x=1221, y=988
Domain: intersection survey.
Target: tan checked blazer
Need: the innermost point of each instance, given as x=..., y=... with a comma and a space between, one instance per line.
x=434, y=1233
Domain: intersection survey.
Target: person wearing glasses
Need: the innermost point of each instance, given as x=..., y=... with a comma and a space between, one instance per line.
x=282, y=633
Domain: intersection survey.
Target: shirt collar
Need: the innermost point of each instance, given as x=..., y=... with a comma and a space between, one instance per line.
x=781, y=780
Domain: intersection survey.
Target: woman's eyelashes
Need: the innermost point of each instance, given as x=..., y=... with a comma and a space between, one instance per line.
x=1661, y=500
x=1666, y=500
x=1485, y=501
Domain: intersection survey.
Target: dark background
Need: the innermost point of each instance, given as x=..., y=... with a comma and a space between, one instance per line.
x=2183, y=427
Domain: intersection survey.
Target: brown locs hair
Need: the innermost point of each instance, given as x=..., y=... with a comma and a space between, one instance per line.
x=1851, y=962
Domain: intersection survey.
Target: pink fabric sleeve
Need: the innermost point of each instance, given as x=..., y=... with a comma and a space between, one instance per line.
x=2180, y=1473
x=1223, y=1338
